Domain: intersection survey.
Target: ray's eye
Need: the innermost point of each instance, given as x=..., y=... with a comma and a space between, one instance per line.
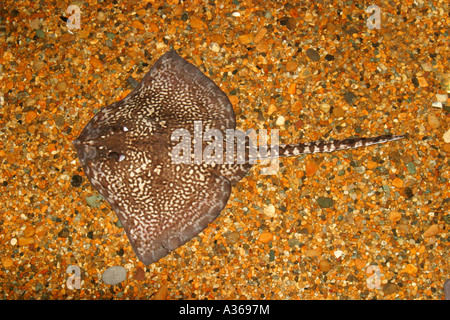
x=116, y=156
x=113, y=155
x=119, y=129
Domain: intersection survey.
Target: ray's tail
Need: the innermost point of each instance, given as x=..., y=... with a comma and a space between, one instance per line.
x=292, y=150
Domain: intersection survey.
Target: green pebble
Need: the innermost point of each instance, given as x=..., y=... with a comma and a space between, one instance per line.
x=94, y=201
x=325, y=202
x=271, y=255
x=40, y=33
x=411, y=167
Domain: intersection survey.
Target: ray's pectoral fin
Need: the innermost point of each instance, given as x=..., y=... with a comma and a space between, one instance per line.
x=173, y=217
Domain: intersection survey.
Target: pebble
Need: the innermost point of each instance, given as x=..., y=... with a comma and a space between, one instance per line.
x=272, y=109
x=325, y=202
x=338, y=112
x=441, y=97
x=329, y=57
x=197, y=23
x=446, y=147
x=114, y=275
x=411, y=167
x=60, y=120
x=289, y=22
x=29, y=231
x=101, y=16
x=389, y=288
x=246, y=38
x=214, y=47
x=349, y=97
x=76, y=181
x=447, y=289
x=371, y=164
x=61, y=86
x=427, y=66
x=94, y=201
x=433, y=121
x=311, y=168
x=324, y=265
x=305, y=73
x=40, y=33
x=64, y=233
x=437, y=105
x=313, y=252
x=217, y=38
x=280, y=121
x=260, y=35
x=431, y=231
x=338, y=253
x=291, y=66
x=263, y=46
x=139, y=274
x=360, y=263
x=397, y=182
x=233, y=237
x=265, y=237
x=96, y=63
x=161, y=294
x=7, y=262
x=404, y=228
x=292, y=88
x=422, y=82
x=138, y=25
x=395, y=216
x=25, y=241
x=312, y=54
x=34, y=24
x=110, y=35
x=30, y=116
x=446, y=136
x=38, y=65
x=325, y=107
x=269, y=210
x=410, y=269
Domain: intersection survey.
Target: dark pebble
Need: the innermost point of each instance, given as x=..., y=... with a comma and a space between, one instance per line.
x=329, y=57
x=390, y=288
x=325, y=202
x=60, y=121
x=40, y=33
x=133, y=83
x=289, y=22
x=64, y=233
x=349, y=97
x=312, y=54
x=76, y=181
